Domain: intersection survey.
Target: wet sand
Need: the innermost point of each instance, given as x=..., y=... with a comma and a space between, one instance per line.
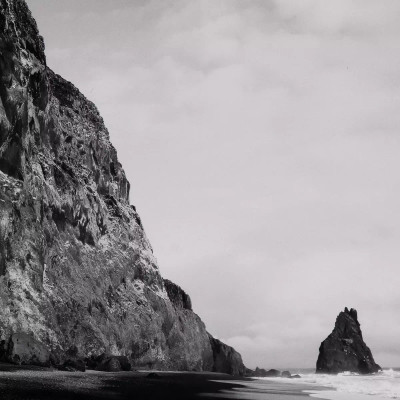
x=19, y=383
x=269, y=390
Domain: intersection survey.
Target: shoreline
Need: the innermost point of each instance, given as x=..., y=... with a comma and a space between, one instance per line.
x=258, y=389
x=34, y=383
x=347, y=387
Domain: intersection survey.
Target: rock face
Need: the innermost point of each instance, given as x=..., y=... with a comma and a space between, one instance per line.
x=77, y=272
x=263, y=373
x=226, y=358
x=23, y=349
x=178, y=297
x=344, y=349
x=114, y=364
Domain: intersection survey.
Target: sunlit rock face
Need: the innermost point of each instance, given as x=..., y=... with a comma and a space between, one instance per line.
x=78, y=277
x=344, y=349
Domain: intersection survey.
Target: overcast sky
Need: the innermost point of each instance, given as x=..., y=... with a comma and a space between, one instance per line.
x=262, y=142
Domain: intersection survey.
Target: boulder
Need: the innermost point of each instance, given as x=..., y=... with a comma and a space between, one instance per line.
x=344, y=349
x=273, y=373
x=25, y=349
x=286, y=374
x=258, y=372
x=73, y=366
x=153, y=375
x=263, y=373
x=114, y=364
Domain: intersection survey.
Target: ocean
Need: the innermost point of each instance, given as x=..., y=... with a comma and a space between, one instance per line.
x=383, y=385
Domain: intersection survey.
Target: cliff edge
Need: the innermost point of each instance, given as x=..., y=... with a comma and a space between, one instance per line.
x=344, y=349
x=78, y=278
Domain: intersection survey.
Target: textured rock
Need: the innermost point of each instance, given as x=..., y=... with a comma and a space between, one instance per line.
x=179, y=298
x=153, y=375
x=24, y=349
x=113, y=364
x=272, y=373
x=77, y=272
x=344, y=349
x=73, y=365
x=263, y=373
x=258, y=372
x=226, y=358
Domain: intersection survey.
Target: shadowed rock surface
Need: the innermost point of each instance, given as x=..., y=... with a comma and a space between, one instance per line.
x=226, y=358
x=263, y=373
x=271, y=373
x=344, y=349
x=77, y=272
x=114, y=364
x=179, y=298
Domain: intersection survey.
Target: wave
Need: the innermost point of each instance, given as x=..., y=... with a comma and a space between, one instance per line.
x=385, y=384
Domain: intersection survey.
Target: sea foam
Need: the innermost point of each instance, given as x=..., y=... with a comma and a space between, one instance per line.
x=382, y=385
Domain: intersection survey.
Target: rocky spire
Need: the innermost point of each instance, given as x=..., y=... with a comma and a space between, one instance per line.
x=344, y=349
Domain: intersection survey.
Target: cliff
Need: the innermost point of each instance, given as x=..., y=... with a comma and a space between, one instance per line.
x=344, y=349
x=226, y=359
x=78, y=278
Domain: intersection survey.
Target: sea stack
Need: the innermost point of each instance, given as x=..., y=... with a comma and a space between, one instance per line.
x=79, y=284
x=344, y=349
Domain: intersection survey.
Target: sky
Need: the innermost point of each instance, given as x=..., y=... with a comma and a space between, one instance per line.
x=261, y=139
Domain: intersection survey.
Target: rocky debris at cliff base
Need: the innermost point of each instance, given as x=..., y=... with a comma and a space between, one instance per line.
x=114, y=364
x=271, y=373
x=73, y=366
x=344, y=349
x=153, y=375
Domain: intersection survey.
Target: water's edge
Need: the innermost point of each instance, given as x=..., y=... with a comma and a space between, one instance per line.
x=346, y=386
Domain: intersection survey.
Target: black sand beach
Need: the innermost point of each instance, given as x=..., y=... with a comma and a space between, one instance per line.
x=22, y=383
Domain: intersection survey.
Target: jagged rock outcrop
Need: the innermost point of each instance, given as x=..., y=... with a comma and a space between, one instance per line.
x=263, y=373
x=77, y=272
x=344, y=349
x=114, y=364
x=179, y=298
x=226, y=358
